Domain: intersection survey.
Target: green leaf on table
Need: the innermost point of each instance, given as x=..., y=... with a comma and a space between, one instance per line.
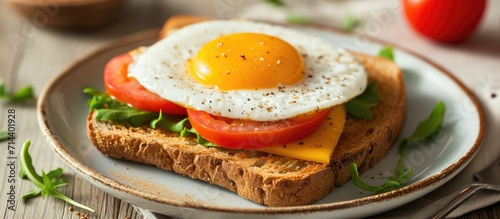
x=46, y=184
x=277, y=3
x=22, y=95
x=387, y=52
x=3, y=91
x=296, y=18
x=291, y=16
x=349, y=22
x=4, y=135
x=31, y=194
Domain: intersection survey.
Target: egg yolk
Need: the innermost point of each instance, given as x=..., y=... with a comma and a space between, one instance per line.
x=247, y=61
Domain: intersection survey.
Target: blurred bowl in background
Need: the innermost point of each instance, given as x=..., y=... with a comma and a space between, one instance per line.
x=67, y=14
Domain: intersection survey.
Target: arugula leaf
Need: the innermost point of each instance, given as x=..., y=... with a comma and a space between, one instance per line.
x=92, y=91
x=291, y=16
x=45, y=185
x=53, y=174
x=3, y=91
x=27, y=165
x=430, y=125
x=130, y=115
x=199, y=139
x=277, y=3
x=349, y=22
x=101, y=100
x=425, y=130
x=360, y=109
x=360, y=106
x=22, y=173
x=296, y=18
x=387, y=52
x=37, y=191
x=20, y=96
x=389, y=185
x=107, y=108
x=4, y=135
x=33, y=193
x=169, y=122
x=370, y=94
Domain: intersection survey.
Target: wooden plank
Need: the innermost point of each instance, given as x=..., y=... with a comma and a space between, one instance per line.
x=34, y=58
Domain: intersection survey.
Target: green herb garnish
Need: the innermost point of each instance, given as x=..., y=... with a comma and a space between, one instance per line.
x=4, y=135
x=127, y=114
x=199, y=139
x=295, y=18
x=425, y=130
x=387, y=52
x=350, y=22
x=46, y=184
x=3, y=91
x=101, y=100
x=169, y=122
x=20, y=96
x=291, y=16
x=429, y=126
x=107, y=108
x=360, y=106
x=53, y=176
x=277, y=3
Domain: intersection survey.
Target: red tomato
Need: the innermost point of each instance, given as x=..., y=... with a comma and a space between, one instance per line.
x=245, y=134
x=444, y=20
x=128, y=90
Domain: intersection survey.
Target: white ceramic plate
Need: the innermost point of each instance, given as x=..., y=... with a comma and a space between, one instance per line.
x=62, y=115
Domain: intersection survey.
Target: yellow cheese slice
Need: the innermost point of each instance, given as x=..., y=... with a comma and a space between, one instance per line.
x=318, y=146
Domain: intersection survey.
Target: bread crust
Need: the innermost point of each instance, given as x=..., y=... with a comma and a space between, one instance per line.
x=263, y=178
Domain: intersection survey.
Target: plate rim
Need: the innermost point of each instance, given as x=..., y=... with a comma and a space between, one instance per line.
x=76, y=164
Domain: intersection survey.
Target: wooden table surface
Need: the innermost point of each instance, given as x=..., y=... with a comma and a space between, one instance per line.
x=31, y=55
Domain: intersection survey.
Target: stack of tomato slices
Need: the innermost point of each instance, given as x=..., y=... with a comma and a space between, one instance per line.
x=225, y=132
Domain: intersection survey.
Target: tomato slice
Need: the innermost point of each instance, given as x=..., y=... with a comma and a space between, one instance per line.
x=128, y=90
x=245, y=134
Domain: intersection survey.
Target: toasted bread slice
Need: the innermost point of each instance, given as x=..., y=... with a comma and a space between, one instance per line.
x=264, y=178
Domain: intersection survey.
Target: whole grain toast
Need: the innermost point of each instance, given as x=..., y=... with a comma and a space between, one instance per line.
x=264, y=178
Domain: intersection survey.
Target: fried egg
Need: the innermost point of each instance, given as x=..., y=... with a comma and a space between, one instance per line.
x=248, y=70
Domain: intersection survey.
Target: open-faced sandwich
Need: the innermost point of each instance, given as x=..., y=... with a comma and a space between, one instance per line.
x=271, y=113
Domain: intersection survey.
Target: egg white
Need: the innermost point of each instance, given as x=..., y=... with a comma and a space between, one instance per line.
x=333, y=76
